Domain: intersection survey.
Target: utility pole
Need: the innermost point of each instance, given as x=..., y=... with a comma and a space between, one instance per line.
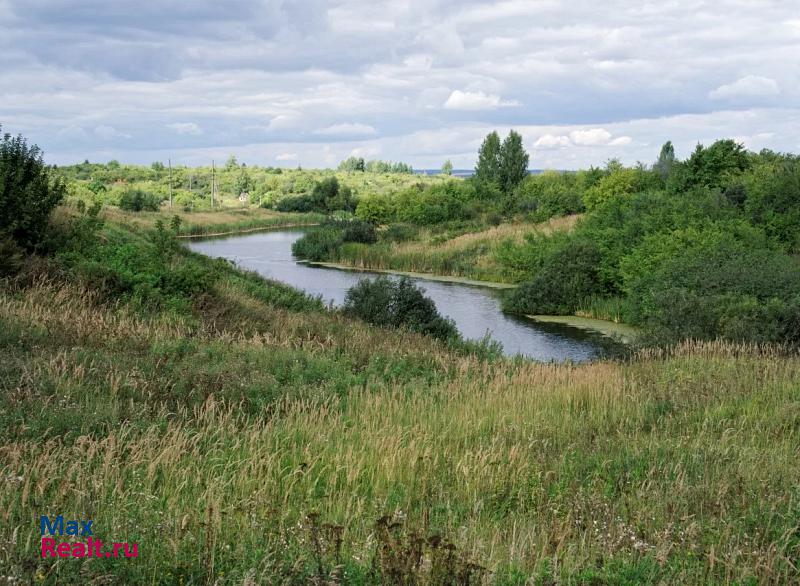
x=170, y=183
x=213, y=182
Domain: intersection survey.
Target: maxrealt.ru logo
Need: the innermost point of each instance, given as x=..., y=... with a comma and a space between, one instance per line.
x=91, y=547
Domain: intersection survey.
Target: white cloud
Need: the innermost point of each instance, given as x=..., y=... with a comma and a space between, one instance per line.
x=189, y=128
x=591, y=137
x=551, y=141
x=459, y=100
x=347, y=128
x=584, y=138
x=750, y=86
x=286, y=157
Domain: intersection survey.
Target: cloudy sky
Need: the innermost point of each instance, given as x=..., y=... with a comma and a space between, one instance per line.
x=284, y=82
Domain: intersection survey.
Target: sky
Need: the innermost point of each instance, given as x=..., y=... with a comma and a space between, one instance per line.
x=288, y=83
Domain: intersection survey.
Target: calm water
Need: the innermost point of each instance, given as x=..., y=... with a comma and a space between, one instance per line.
x=476, y=310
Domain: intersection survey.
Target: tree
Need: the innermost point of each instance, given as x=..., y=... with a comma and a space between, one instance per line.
x=232, y=163
x=447, y=167
x=716, y=165
x=513, y=162
x=488, y=167
x=352, y=164
x=666, y=160
x=27, y=192
x=243, y=182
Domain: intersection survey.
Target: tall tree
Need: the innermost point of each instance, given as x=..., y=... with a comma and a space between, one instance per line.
x=243, y=182
x=488, y=168
x=352, y=164
x=513, y=162
x=666, y=160
x=447, y=167
x=232, y=163
x=716, y=165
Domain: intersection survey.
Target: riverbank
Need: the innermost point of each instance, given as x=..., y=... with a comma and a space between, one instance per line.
x=619, y=331
x=423, y=276
x=249, y=230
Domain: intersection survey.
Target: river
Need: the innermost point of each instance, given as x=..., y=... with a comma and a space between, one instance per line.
x=475, y=309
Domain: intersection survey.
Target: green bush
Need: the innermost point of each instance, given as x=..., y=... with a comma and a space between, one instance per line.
x=378, y=209
x=435, y=205
x=568, y=277
x=723, y=280
x=358, y=231
x=12, y=257
x=318, y=245
x=400, y=233
x=326, y=196
x=28, y=193
x=620, y=224
x=300, y=203
x=137, y=200
x=548, y=195
x=397, y=303
x=321, y=243
x=617, y=183
x=772, y=199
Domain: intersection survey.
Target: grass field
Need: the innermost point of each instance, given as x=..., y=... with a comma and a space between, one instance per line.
x=208, y=223
x=259, y=438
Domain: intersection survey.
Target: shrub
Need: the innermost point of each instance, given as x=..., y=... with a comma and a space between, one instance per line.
x=12, y=257
x=772, y=199
x=397, y=303
x=377, y=209
x=548, y=195
x=329, y=196
x=622, y=223
x=568, y=277
x=321, y=243
x=317, y=245
x=300, y=203
x=358, y=231
x=400, y=232
x=326, y=196
x=137, y=200
x=27, y=192
x=618, y=182
x=719, y=281
x=435, y=205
